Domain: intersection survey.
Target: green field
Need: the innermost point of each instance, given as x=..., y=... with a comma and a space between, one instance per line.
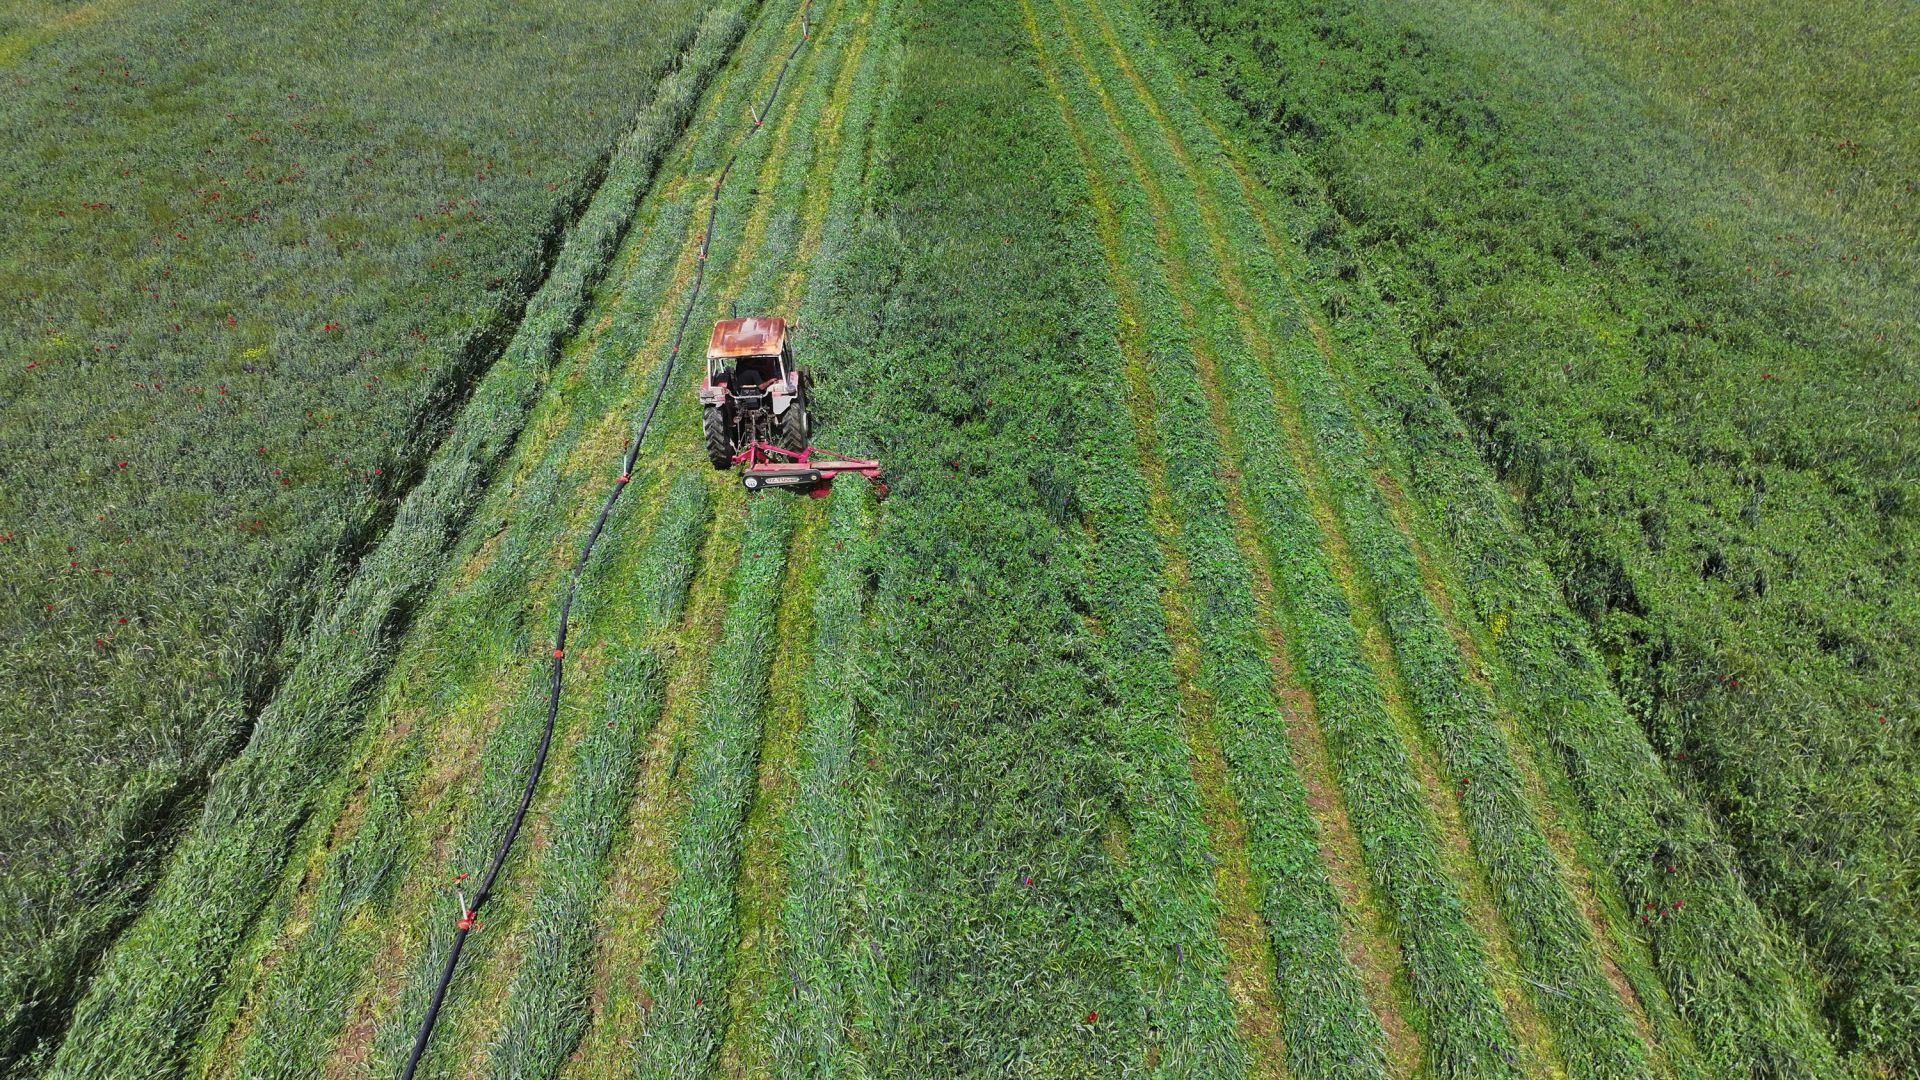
x=1363, y=589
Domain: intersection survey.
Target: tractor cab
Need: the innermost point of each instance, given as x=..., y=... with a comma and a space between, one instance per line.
x=749, y=354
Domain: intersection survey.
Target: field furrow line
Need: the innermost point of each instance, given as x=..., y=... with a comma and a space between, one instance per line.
x=1238, y=943
x=802, y=197
x=1234, y=386
x=545, y=1006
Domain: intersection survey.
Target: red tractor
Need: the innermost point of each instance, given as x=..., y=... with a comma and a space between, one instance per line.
x=754, y=410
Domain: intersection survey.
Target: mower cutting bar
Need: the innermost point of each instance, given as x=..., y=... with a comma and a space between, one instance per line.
x=769, y=466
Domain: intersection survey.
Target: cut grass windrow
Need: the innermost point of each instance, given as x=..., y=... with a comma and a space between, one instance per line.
x=808, y=1033
x=150, y=995
x=546, y=1003
x=686, y=974
x=1548, y=929
x=754, y=969
x=1329, y=1027
x=1720, y=961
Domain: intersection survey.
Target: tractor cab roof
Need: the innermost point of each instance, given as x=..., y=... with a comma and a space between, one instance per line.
x=762, y=335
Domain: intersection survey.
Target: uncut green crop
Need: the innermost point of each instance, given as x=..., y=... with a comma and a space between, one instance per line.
x=201, y=909
x=985, y=929
x=245, y=251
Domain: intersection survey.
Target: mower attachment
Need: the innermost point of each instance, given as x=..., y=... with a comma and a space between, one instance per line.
x=810, y=470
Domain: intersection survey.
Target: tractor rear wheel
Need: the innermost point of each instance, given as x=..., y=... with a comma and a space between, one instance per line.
x=792, y=427
x=713, y=424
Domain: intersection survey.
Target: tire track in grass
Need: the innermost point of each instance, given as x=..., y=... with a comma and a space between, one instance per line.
x=641, y=862
x=753, y=238
x=1228, y=377
x=806, y=1026
x=1721, y=961
x=762, y=877
x=1229, y=945
x=1246, y=959
x=1288, y=823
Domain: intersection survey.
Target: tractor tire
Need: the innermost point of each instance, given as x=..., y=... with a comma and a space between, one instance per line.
x=713, y=424
x=793, y=429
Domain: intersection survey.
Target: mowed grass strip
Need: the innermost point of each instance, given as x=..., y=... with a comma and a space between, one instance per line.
x=1719, y=959
x=1462, y=1020
x=1329, y=1027
x=1736, y=559
x=1548, y=928
x=687, y=972
x=1205, y=961
x=807, y=1027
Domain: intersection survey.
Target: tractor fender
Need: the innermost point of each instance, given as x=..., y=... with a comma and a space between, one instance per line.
x=783, y=397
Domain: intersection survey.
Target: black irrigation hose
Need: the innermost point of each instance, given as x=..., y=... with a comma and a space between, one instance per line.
x=467, y=924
